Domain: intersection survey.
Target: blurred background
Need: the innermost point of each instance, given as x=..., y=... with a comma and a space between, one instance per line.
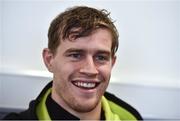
x=147, y=72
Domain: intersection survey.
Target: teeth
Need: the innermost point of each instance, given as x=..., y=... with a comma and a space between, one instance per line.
x=85, y=84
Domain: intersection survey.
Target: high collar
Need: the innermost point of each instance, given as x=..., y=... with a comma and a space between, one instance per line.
x=112, y=100
x=57, y=112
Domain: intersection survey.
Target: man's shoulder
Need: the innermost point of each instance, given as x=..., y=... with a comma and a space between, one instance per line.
x=12, y=116
x=24, y=115
x=117, y=100
x=121, y=103
x=28, y=114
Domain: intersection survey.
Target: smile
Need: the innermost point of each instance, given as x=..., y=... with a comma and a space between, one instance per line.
x=86, y=85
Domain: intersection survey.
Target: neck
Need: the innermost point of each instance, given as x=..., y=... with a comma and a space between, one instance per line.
x=94, y=114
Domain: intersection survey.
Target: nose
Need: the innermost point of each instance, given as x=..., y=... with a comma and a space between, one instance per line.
x=89, y=67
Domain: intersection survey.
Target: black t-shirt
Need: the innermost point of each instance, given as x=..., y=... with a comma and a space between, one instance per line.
x=56, y=112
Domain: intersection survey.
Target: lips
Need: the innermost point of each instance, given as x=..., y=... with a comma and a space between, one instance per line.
x=85, y=85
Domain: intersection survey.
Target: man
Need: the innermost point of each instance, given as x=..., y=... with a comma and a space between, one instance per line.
x=82, y=43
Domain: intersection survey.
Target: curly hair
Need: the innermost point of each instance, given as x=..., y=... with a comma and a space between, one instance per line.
x=80, y=21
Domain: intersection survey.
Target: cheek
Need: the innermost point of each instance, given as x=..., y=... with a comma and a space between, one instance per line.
x=64, y=70
x=105, y=71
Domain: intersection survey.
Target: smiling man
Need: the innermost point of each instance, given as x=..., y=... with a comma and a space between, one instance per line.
x=82, y=43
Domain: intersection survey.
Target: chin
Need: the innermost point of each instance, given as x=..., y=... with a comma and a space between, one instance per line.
x=86, y=106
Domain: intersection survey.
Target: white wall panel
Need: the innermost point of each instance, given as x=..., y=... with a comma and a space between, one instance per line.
x=0, y=48
x=149, y=37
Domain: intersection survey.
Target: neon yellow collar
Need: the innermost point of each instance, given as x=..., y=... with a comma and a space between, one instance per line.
x=41, y=110
x=112, y=111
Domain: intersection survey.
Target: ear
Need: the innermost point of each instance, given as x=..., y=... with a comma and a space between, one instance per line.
x=48, y=59
x=113, y=60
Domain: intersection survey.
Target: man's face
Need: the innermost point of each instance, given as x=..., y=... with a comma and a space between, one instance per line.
x=82, y=70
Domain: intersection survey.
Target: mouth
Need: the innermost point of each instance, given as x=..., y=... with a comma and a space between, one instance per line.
x=85, y=85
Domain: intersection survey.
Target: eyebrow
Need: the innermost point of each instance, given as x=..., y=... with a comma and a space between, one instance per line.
x=71, y=50
x=74, y=50
x=83, y=51
x=106, y=53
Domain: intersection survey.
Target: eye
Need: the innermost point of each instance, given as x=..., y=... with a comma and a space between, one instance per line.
x=75, y=56
x=102, y=58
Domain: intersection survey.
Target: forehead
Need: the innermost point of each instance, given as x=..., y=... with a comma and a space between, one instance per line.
x=100, y=39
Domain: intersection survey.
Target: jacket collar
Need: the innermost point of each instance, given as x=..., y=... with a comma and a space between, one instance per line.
x=110, y=104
